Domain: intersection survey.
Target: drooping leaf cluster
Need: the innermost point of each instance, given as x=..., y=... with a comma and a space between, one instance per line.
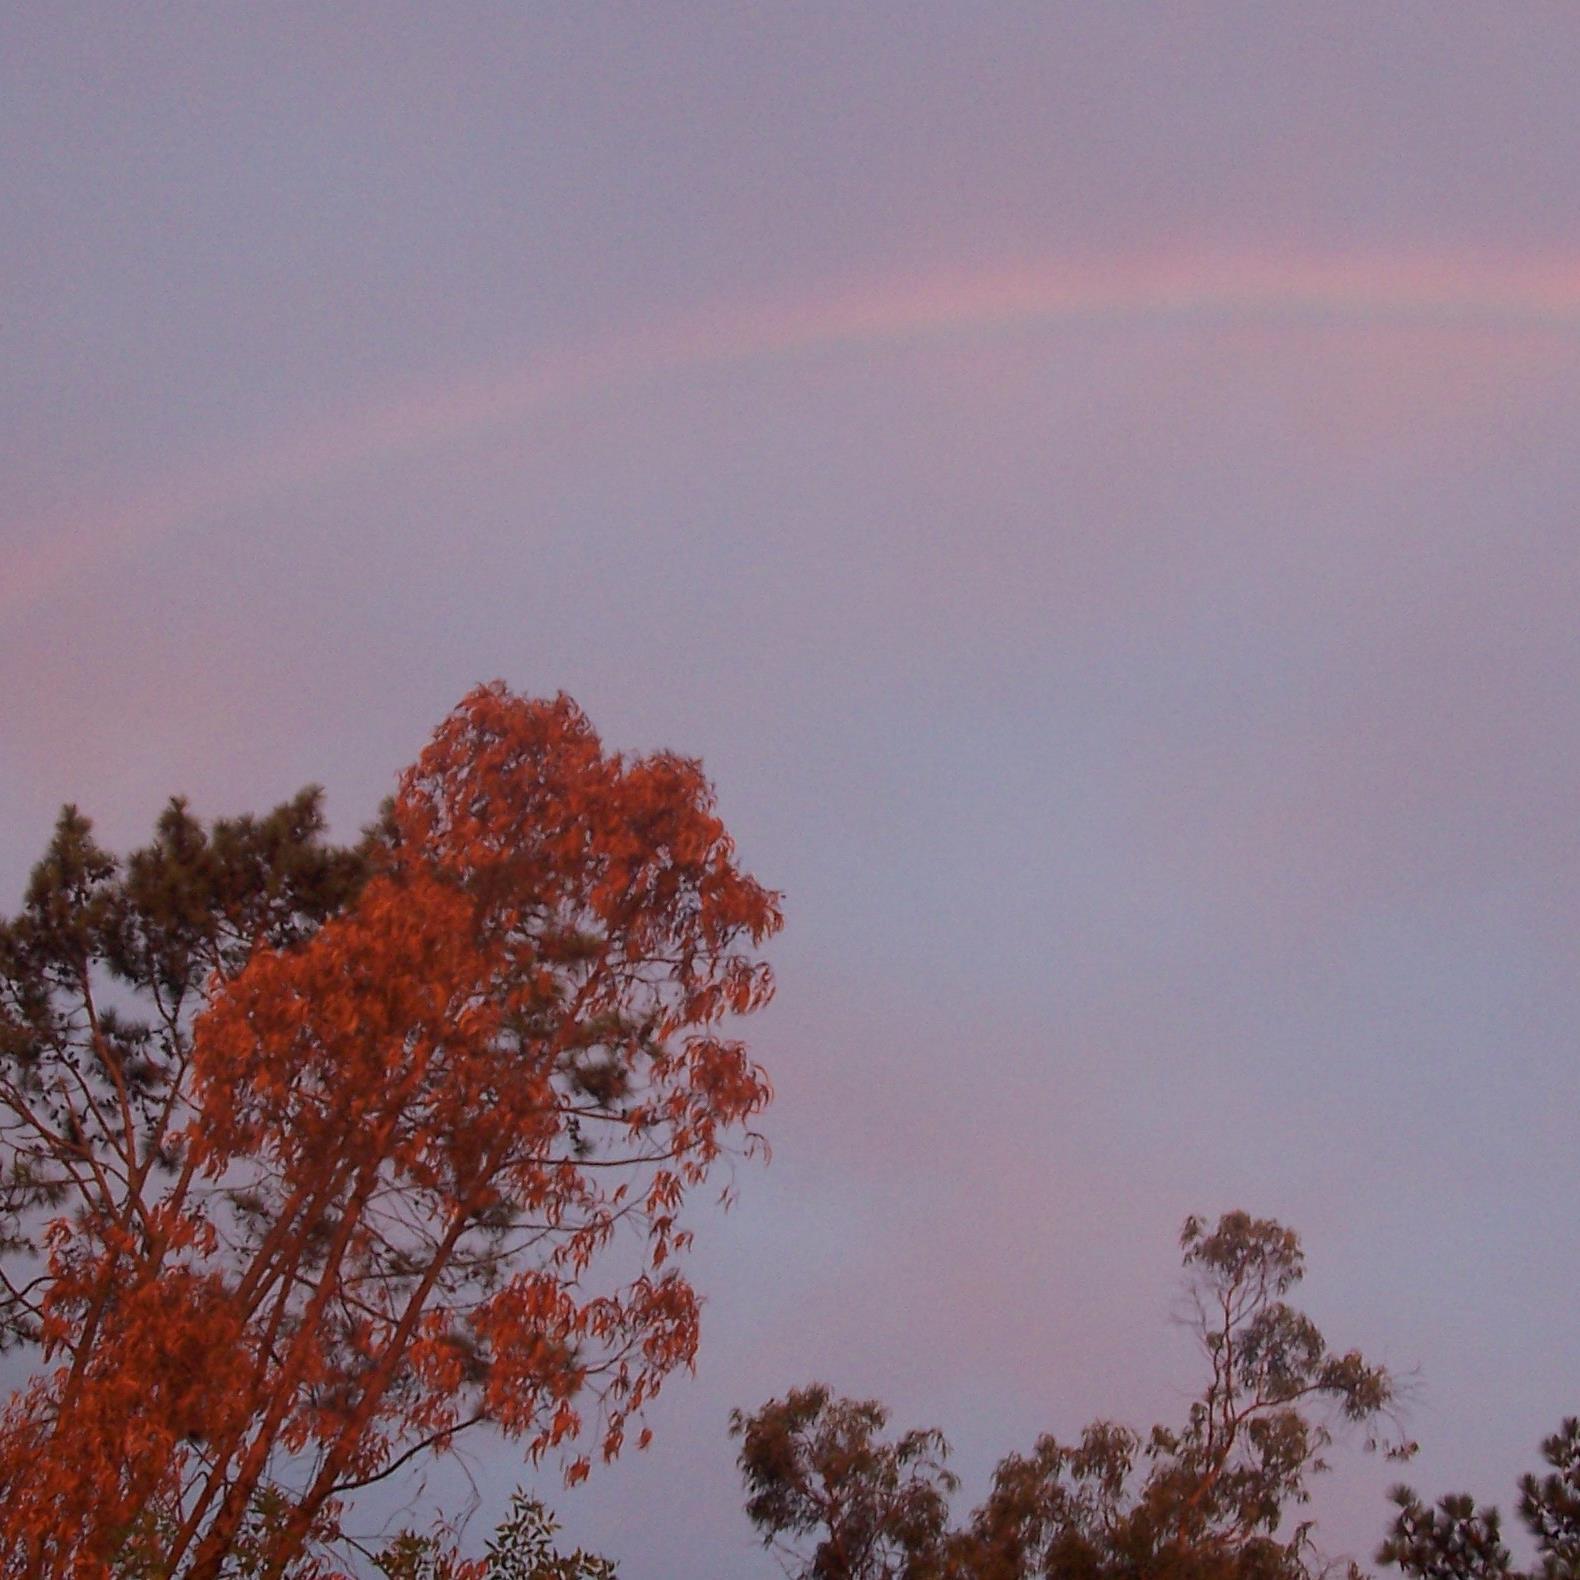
x=309, y=1154
x=1207, y=1500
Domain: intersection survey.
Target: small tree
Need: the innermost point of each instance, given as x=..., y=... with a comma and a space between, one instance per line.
x=309, y=1155
x=522, y=1548
x=1458, y=1541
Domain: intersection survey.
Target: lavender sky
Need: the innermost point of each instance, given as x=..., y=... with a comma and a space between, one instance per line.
x=1096, y=485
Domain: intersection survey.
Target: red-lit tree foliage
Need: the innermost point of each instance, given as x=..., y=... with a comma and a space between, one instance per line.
x=310, y=1154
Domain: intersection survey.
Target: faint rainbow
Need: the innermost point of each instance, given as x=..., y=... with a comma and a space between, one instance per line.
x=1442, y=294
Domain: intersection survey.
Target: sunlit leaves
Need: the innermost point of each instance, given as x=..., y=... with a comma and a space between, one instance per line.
x=336, y=1140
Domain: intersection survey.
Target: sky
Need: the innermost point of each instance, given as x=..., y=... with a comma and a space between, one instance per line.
x=1094, y=483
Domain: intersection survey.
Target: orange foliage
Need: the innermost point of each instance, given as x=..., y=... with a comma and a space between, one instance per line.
x=399, y=1146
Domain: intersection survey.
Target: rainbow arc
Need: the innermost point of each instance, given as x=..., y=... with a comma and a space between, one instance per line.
x=1443, y=294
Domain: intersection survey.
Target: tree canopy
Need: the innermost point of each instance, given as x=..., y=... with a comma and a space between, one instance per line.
x=314, y=1157
x=310, y=1155
x=1456, y=1540
x=1206, y=1500
x=815, y=1468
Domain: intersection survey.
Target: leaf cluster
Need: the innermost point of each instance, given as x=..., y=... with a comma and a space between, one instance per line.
x=814, y=1466
x=521, y=1548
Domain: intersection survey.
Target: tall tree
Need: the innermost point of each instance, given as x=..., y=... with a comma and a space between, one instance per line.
x=309, y=1154
x=1206, y=1500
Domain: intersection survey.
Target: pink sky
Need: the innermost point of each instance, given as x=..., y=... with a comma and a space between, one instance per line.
x=1095, y=485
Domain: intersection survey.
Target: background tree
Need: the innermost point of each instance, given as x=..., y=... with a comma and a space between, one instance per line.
x=1454, y=1541
x=1207, y=1499
x=309, y=1154
x=1204, y=1501
x=1550, y=1505
x=1457, y=1541
x=837, y=1501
